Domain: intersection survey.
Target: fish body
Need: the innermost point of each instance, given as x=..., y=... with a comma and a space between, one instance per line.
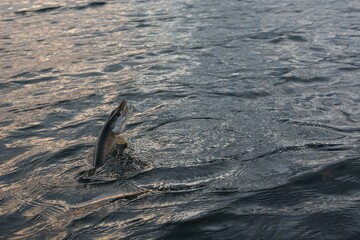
x=107, y=136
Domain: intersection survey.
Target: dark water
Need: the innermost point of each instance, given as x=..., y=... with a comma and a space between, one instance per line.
x=247, y=121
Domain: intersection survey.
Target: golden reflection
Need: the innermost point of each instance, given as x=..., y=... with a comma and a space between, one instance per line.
x=54, y=65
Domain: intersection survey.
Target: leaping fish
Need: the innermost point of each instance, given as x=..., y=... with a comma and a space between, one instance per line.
x=108, y=135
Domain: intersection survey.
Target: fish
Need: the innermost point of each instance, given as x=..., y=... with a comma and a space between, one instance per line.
x=108, y=135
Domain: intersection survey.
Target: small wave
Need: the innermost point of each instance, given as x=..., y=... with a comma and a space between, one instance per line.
x=113, y=67
x=348, y=69
x=244, y=94
x=60, y=7
x=36, y=80
x=303, y=80
x=85, y=74
x=110, y=198
x=312, y=124
x=38, y=10
x=297, y=38
x=169, y=121
x=89, y=5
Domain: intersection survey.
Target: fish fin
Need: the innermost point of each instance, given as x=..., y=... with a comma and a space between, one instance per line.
x=123, y=108
x=120, y=116
x=112, y=114
x=120, y=111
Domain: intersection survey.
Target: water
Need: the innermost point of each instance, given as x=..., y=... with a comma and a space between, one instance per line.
x=247, y=120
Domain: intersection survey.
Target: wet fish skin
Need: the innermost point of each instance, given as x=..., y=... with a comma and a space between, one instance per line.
x=107, y=137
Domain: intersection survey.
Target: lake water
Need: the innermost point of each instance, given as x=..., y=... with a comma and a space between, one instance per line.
x=246, y=122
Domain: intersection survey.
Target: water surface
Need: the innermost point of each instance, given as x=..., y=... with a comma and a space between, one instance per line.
x=247, y=120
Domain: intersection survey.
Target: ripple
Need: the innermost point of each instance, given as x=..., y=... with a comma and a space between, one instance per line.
x=305, y=80
x=297, y=38
x=38, y=10
x=113, y=68
x=169, y=121
x=42, y=10
x=89, y=5
x=244, y=94
x=348, y=69
x=36, y=80
x=344, y=129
